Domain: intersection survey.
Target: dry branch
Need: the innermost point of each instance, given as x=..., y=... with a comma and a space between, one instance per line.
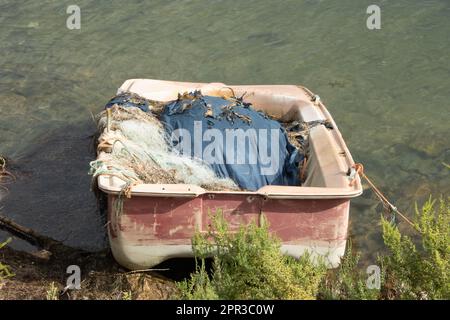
x=27, y=234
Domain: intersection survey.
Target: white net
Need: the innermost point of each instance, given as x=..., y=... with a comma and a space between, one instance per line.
x=136, y=150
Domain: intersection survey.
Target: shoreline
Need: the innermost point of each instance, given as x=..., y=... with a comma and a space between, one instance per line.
x=38, y=276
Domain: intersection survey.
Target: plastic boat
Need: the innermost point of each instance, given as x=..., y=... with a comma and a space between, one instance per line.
x=159, y=220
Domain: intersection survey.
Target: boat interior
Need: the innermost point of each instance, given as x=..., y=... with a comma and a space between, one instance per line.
x=329, y=161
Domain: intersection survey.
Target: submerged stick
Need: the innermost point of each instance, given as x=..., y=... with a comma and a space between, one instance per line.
x=26, y=234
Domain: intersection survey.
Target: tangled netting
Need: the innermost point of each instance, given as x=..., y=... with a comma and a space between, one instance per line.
x=134, y=147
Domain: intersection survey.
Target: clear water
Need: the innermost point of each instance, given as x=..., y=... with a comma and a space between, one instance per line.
x=388, y=90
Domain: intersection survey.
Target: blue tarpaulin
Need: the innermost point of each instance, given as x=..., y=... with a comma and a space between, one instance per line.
x=234, y=139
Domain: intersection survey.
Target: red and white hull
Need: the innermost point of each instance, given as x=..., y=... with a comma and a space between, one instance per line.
x=158, y=221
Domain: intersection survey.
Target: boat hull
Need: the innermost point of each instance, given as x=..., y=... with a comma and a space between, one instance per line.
x=149, y=230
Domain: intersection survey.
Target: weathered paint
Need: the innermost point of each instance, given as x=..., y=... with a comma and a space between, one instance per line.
x=147, y=222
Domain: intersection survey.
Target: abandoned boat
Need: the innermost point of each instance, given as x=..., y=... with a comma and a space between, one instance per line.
x=156, y=221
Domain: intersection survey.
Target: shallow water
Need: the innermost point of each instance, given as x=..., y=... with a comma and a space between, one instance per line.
x=388, y=90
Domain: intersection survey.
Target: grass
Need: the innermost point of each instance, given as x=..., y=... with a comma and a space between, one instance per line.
x=4, y=269
x=52, y=292
x=127, y=295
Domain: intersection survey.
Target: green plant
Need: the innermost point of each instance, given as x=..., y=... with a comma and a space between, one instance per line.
x=347, y=282
x=248, y=264
x=126, y=295
x=52, y=292
x=4, y=269
x=421, y=272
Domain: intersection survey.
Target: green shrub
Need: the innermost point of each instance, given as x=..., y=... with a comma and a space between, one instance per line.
x=347, y=282
x=419, y=272
x=248, y=264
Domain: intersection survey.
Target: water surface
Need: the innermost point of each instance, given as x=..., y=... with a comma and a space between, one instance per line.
x=388, y=90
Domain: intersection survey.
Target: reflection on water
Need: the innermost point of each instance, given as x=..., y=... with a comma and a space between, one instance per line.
x=388, y=90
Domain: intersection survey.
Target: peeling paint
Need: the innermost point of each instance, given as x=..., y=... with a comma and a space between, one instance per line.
x=176, y=229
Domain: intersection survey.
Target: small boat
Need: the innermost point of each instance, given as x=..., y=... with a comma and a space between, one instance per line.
x=157, y=221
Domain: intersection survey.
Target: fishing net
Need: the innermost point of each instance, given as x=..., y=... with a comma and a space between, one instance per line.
x=136, y=150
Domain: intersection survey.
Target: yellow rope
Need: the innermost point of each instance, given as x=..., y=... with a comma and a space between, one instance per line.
x=360, y=170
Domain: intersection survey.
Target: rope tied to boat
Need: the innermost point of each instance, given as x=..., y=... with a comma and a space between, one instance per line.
x=358, y=169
